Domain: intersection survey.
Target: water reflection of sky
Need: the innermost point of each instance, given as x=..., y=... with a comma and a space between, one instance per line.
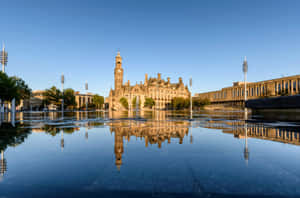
x=157, y=156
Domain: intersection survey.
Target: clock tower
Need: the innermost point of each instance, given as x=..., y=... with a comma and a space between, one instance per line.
x=118, y=72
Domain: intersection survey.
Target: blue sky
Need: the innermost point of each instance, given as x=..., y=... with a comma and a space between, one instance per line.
x=206, y=40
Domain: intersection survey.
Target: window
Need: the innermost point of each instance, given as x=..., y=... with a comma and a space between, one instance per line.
x=252, y=91
x=275, y=88
x=286, y=86
x=279, y=88
x=257, y=91
x=294, y=85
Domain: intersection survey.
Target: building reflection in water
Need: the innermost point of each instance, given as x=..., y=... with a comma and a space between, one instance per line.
x=152, y=132
x=242, y=129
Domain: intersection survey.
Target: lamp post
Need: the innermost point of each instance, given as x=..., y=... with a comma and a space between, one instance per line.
x=86, y=98
x=3, y=58
x=245, y=70
x=62, y=88
x=3, y=61
x=191, y=99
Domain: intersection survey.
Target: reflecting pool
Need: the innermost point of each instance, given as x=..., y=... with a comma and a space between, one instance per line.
x=148, y=154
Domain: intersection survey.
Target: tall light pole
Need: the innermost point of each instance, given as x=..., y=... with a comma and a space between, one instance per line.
x=62, y=88
x=245, y=70
x=191, y=98
x=3, y=58
x=86, y=98
x=3, y=61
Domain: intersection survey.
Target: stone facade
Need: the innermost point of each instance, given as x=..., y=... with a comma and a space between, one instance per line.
x=270, y=88
x=36, y=101
x=160, y=90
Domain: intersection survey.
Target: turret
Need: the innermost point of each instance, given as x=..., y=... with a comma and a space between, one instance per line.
x=146, y=79
x=180, y=80
x=159, y=76
x=169, y=81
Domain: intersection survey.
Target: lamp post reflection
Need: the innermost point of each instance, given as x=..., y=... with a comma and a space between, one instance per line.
x=86, y=131
x=3, y=167
x=246, y=151
x=62, y=140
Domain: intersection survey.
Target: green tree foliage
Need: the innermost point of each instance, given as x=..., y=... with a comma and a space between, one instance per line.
x=149, y=102
x=124, y=102
x=13, y=87
x=52, y=96
x=197, y=102
x=69, y=98
x=134, y=103
x=179, y=103
x=98, y=101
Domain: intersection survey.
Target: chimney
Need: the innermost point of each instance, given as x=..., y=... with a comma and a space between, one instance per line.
x=128, y=82
x=146, y=77
x=159, y=76
x=168, y=80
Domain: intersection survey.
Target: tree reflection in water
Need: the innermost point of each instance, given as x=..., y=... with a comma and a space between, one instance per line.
x=10, y=136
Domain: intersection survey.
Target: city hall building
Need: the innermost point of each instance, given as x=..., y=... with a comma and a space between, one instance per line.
x=160, y=90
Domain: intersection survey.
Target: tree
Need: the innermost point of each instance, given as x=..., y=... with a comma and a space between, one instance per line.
x=149, y=102
x=134, y=103
x=198, y=102
x=13, y=87
x=179, y=103
x=69, y=98
x=23, y=90
x=98, y=101
x=124, y=102
x=52, y=96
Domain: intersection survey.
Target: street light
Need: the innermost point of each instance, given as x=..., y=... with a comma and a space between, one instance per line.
x=191, y=98
x=245, y=70
x=62, y=88
x=86, y=98
x=3, y=58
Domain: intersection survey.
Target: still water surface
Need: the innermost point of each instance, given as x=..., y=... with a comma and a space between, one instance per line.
x=162, y=154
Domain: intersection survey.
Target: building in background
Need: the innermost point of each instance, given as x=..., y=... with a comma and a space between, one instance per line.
x=284, y=86
x=36, y=101
x=160, y=90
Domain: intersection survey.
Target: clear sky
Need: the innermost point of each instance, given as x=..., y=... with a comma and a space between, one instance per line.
x=206, y=40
